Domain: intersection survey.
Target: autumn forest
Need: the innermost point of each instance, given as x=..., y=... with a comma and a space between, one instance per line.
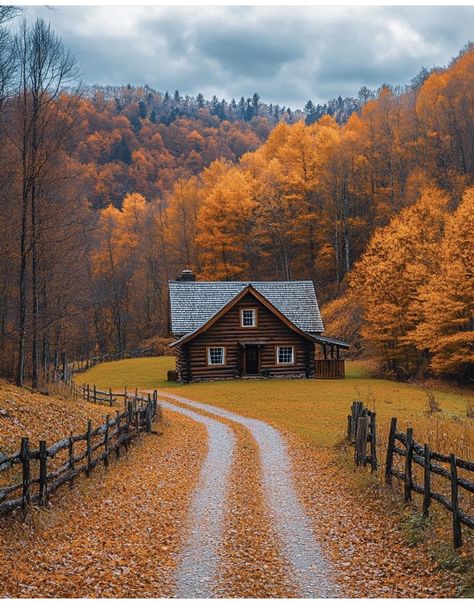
x=107, y=193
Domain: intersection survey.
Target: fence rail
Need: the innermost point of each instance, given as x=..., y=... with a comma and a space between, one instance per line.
x=38, y=480
x=403, y=446
x=92, y=394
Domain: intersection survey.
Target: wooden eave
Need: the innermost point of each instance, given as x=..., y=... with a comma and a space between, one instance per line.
x=258, y=296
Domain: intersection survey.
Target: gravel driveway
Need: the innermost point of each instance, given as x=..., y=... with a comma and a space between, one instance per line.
x=299, y=545
x=199, y=560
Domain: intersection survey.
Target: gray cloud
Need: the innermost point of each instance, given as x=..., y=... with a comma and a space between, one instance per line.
x=287, y=54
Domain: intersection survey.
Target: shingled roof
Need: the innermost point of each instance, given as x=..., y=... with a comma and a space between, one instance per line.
x=193, y=303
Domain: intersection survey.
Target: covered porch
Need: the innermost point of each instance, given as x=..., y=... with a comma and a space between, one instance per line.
x=328, y=361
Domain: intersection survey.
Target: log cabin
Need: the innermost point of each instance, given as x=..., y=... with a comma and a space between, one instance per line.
x=237, y=329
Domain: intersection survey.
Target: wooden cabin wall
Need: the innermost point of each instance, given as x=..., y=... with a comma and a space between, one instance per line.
x=228, y=332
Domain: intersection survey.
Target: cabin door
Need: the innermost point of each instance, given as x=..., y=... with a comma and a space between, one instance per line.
x=251, y=360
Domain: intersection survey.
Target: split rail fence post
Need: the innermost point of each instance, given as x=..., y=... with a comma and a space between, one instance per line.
x=357, y=446
x=457, y=535
x=356, y=411
x=350, y=423
x=426, y=480
x=106, y=441
x=72, y=465
x=149, y=415
x=409, y=466
x=26, y=476
x=129, y=422
x=137, y=417
x=390, y=446
x=365, y=436
x=89, y=447
x=361, y=439
x=373, y=443
x=43, y=473
x=95, y=394
x=117, y=444
x=110, y=396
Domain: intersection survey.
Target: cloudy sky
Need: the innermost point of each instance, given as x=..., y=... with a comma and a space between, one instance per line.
x=287, y=54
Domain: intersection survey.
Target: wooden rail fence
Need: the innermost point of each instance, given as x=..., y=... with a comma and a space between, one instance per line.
x=81, y=365
x=361, y=429
x=76, y=454
x=62, y=370
x=92, y=394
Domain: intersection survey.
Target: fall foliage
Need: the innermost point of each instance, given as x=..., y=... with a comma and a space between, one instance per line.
x=415, y=286
x=112, y=191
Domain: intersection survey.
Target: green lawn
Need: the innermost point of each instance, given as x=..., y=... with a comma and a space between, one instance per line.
x=146, y=372
x=315, y=409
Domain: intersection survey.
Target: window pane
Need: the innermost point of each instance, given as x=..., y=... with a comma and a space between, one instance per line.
x=248, y=317
x=216, y=356
x=285, y=354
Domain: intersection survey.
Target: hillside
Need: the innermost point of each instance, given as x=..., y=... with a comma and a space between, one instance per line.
x=135, y=139
x=39, y=417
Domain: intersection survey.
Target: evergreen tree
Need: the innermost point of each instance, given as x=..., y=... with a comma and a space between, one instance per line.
x=255, y=103
x=242, y=108
x=200, y=101
x=248, y=110
x=142, y=110
x=311, y=113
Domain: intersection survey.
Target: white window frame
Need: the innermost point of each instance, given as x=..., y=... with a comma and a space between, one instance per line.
x=291, y=362
x=254, y=318
x=209, y=358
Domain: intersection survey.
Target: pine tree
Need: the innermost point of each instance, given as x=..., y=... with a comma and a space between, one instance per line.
x=200, y=101
x=311, y=114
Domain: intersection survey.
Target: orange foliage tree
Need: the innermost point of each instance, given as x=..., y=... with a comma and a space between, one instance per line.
x=446, y=315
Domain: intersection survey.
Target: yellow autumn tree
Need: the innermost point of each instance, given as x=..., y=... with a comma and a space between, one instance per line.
x=182, y=211
x=224, y=223
x=400, y=259
x=446, y=327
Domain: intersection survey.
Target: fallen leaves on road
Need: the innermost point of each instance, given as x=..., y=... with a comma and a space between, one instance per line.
x=252, y=564
x=361, y=536
x=115, y=534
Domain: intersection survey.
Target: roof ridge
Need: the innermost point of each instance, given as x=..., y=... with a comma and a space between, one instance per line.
x=236, y=282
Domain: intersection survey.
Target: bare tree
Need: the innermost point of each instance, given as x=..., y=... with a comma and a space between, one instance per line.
x=44, y=118
x=7, y=59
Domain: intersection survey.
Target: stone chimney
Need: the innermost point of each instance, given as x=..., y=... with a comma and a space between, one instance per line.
x=186, y=275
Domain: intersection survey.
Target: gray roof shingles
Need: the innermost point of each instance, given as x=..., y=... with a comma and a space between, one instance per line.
x=193, y=303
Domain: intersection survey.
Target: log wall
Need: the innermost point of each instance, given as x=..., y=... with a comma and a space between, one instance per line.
x=270, y=332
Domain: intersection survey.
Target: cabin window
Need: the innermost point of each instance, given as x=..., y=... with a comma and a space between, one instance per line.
x=285, y=355
x=216, y=355
x=248, y=317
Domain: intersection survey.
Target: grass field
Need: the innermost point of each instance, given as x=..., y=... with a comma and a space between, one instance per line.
x=314, y=409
